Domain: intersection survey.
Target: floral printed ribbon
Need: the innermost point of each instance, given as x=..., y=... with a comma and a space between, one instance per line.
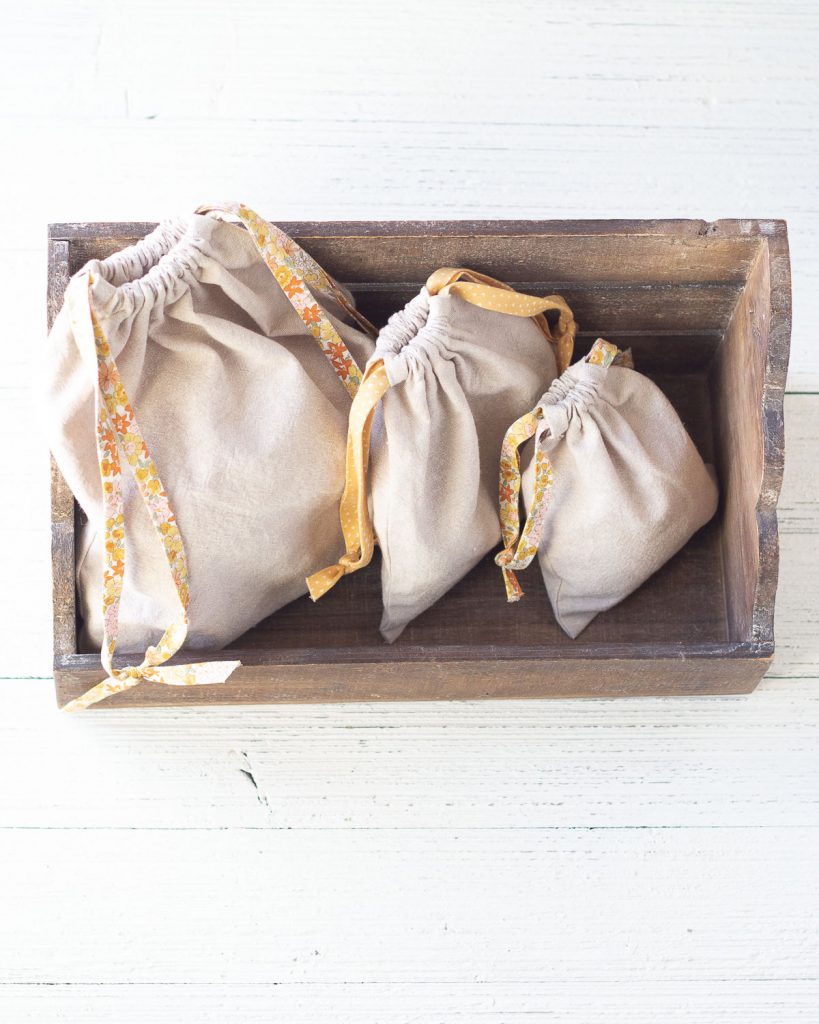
x=356, y=523
x=296, y=272
x=521, y=547
x=489, y=293
x=118, y=434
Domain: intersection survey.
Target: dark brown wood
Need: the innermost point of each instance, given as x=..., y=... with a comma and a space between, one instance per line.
x=706, y=309
x=394, y=254
x=716, y=672
x=601, y=308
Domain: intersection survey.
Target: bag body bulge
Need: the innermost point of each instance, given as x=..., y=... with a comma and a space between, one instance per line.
x=437, y=395
x=614, y=487
x=212, y=330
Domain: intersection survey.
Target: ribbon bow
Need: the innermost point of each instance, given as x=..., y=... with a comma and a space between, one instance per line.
x=119, y=680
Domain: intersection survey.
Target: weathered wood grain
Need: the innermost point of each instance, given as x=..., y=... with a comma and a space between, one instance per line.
x=748, y=383
x=470, y=644
x=63, y=511
x=650, y=252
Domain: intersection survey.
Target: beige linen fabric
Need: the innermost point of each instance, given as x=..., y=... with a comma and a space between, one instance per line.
x=459, y=375
x=630, y=488
x=243, y=414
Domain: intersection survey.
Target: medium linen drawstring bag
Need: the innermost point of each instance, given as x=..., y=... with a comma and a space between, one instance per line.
x=241, y=357
x=448, y=372
x=614, y=488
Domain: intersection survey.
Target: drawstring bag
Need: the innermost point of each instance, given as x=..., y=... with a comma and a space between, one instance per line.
x=240, y=356
x=448, y=373
x=615, y=487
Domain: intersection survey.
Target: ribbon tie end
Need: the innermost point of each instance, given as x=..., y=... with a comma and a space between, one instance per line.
x=514, y=591
x=203, y=673
x=320, y=582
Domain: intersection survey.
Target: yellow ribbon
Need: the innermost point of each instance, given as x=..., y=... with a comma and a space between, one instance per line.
x=498, y=297
x=479, y=290
x=356, y=524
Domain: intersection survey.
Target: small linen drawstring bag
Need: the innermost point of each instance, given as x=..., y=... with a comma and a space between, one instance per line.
x=241, y=357
x=449, y=371
x=614, y=488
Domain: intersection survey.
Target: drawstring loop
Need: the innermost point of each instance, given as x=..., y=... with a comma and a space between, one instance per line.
x=491, y=294
x=356, y=523
x=296, y=273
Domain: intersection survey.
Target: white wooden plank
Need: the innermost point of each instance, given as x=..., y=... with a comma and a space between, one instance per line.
x=699, y=60
x=797, y=599
x=596, y=764
x=25, y=564
x=411, y=905
x=494, y=1002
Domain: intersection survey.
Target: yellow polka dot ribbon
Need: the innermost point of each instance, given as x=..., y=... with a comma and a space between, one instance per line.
x=480, y=290
x=296, y=273
x=521, y=547
x=356, y=524
x=118, y=435
x=489, y=293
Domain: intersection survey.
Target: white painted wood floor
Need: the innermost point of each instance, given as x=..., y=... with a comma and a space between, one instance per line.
x=613, y=861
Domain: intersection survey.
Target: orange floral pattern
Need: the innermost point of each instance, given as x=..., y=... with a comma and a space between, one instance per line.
x=297, y=273
x=118, y=434
x=603, y=353
x=520, y=548
x=516, y=551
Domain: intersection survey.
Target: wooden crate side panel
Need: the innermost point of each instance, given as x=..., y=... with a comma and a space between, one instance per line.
x=773, y=431
x=62, y=500
x=395, y=255
x=734, y=249
x=748, y=394
x=430, y=680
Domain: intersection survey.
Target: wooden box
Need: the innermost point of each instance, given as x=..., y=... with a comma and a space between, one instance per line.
x=706, y=309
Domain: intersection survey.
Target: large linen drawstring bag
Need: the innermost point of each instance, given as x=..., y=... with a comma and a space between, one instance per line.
x=448, y=373
x=615, y=487
x=240, y=357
